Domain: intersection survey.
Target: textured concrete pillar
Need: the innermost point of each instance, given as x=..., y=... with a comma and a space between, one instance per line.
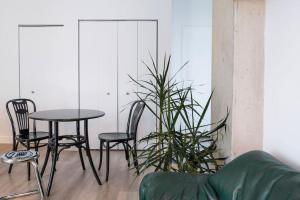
x=238, y=71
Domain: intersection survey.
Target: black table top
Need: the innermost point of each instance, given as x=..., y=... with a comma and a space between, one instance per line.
x=65, y=115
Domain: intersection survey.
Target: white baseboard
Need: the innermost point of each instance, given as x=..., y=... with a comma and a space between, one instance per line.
x=5, y=140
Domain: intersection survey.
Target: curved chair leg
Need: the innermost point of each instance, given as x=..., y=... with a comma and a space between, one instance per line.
x=125, y=145
x=39, y=179
x=28, y=164
x=15, y=148
x=45, y=161
x=36, y=148
x=101, y=154
x=135, y=160
x=107, y=160
x=32, y=161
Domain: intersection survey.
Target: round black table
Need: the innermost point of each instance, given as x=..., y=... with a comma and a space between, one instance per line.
x=79, y=141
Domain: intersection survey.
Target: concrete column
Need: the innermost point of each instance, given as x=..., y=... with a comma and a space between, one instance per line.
x=238, y=72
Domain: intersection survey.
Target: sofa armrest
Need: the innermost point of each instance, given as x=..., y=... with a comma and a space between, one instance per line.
x=175, y=186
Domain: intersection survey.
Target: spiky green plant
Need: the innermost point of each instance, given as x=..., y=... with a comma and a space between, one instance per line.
x=182, y=141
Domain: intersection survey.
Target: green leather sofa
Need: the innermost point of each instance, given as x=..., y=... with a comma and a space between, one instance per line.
x=255, y=175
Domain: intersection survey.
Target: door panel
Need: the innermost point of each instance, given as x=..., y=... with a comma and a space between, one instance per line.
x=98, y=75
x=146, y=48
x=127, y=65
x=46, y=75
x=109, y=51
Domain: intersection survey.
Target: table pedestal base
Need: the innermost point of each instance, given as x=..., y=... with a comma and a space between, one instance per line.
x=79, y=141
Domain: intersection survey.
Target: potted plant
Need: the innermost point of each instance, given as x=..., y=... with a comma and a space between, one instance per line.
x=182, y=141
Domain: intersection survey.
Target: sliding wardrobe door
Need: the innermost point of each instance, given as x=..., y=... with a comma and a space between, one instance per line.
x=98, y=75
x=127, y=65
x=46, y=75
x=147, y=47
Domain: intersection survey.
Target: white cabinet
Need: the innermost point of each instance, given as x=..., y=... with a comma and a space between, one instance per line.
x=46, y=76
x=127, y=64
x=109, y=52
x=99, y=75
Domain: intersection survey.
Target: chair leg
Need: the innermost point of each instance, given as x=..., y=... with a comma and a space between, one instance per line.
x=45, y=161
x=28, y=164
x=126, y=152
x=135, y=160
x=125, y=145
x=15, y=148
x=40, y=189
x=107, y=160
x=101, y=154
x=36, y=148
x=39, y=179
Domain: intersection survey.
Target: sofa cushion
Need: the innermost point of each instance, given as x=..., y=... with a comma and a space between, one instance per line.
x=175, y=186
x=256, y=175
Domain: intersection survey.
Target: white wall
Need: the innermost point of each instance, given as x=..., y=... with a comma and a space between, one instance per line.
x=282, y=72
x=192, y=42
x=66, y=12
x=187, y=14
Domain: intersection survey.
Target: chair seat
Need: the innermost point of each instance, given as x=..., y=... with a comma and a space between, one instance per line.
x=40, y=135
x=19, y=156
x=114, y=136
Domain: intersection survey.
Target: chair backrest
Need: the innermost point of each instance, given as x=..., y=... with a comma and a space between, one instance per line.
x=134, y=117
x=18, y=110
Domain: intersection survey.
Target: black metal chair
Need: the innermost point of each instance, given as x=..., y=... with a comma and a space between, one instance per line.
x=18, y=110
x=124, y=138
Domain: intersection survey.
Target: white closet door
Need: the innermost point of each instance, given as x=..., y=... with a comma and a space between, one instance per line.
x=98, y=75
x=146, y=47
x=46, y=75
x=127, y=65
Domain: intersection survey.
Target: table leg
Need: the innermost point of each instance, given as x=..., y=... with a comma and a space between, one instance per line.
x=54, y=150
x=88, y=153
x=48, y=150
x=79, y=148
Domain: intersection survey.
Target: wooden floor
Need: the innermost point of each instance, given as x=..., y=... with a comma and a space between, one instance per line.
x=71, y=182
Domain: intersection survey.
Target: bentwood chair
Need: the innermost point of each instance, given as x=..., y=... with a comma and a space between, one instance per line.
x=21, y=157
x=124, y=138
x=18, y=110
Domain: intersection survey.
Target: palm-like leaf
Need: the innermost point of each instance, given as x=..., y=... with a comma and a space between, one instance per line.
x=182, y=141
